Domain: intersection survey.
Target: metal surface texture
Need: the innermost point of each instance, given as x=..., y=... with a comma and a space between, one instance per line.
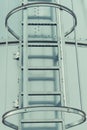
x=44, y=108
x=46, y=4
x=40, y=108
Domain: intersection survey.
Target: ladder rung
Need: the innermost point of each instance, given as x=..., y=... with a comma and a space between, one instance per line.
x=42, y=121
x=42, y=41
x=35, y=43
x=41, y=24
x=38, y=44
x=41, y=79
x=43, y=45
x=43, y=68
x=43, y=93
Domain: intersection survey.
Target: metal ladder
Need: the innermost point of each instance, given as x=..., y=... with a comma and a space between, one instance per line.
x=53, y=107
x=53, y=45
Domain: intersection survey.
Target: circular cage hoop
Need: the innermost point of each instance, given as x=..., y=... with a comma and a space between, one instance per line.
x=44, y=108
x=37, y=4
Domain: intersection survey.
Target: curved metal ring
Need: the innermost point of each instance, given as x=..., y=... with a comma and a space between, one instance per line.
x=46, y=4
x=44, y=108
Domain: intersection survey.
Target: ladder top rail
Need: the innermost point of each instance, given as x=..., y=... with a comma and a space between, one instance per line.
x=36, y=4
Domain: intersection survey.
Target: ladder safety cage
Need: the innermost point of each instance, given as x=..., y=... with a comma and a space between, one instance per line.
x=56, y=68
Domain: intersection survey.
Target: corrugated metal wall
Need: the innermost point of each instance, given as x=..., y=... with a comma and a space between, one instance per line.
x=9, y=94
